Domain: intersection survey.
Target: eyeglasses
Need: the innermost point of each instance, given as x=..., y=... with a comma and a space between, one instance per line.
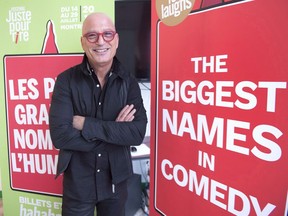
x=93, y=37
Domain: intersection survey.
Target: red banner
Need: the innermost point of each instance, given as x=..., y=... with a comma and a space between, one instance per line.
x=29, y=83
x=220, y=126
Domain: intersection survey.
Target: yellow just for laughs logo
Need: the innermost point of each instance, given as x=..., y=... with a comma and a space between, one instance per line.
x=173, y=12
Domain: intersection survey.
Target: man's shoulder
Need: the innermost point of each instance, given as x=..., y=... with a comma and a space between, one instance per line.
x=73, y=70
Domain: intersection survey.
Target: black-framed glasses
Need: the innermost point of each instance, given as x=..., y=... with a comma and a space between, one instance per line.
x=93, y=37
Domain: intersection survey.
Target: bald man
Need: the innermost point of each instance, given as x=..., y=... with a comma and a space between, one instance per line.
x=96, y=114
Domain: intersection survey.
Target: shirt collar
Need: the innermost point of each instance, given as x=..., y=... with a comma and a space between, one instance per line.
x=91, y=70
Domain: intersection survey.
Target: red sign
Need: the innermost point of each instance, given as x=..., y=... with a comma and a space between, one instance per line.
x=29, y=83
x=221, y=108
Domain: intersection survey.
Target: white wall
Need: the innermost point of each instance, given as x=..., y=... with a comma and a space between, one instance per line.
x=146, y=95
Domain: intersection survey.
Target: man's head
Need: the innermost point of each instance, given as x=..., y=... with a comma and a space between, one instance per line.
x=99, y=39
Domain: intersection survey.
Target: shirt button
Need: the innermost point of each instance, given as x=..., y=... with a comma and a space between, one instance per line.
x=98, y=170
x=98, y=85
x=99, y=103
x=99, y=155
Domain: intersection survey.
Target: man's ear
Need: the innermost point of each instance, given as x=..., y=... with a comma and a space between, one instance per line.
x=82, y=42
x=117, y=38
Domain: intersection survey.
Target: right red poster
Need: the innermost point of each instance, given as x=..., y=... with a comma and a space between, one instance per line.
x=219, y=72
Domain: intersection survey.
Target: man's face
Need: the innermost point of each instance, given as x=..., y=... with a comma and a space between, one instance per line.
x=99, y=52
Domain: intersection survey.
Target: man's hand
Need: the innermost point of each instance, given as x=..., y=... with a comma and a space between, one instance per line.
x=78, y=122
x=126, y=114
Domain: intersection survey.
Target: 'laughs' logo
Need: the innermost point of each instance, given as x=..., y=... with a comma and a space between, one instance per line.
x=173, y=12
